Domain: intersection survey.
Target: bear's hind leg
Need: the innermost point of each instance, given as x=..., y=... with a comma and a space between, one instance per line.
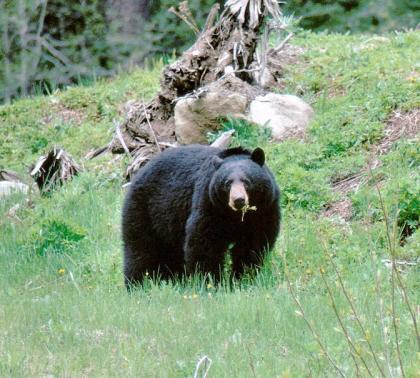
x=137, y=265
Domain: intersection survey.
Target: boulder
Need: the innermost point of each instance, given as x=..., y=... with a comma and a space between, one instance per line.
x=196, y=116
x=286, y=115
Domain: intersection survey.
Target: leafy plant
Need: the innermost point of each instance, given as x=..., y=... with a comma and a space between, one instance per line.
x=56, y=236
x=246, y=134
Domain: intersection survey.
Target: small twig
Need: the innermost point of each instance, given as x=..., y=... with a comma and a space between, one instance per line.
x=151, y=128
x=251, y=362
x=283, y=43
x=353, y=309
x=394, y=267
x=121, y=139
x=185, y=15
x=167, y=144
x=308, y=323
x=224, y=139
x=74, y=282
x=394, y=273
x=380, y=305
x=207, y=363
x=264, y=51
x=343, y=327
x=211, y=17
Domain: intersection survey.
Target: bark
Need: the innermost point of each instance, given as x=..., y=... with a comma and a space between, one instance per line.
x=231, y=41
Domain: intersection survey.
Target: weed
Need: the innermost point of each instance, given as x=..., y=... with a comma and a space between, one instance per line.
x=57, y=236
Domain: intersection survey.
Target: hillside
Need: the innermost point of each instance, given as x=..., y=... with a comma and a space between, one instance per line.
x=350, y=198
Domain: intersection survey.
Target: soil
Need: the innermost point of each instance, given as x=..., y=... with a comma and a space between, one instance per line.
x=401, y=124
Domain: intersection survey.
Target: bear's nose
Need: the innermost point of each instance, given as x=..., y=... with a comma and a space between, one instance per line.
x=239, y=203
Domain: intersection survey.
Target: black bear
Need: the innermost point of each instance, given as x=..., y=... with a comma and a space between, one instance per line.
x=189, y=204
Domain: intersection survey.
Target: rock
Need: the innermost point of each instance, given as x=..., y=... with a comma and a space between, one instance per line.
x=195, y=117
x=9, y=187
x=286, y=115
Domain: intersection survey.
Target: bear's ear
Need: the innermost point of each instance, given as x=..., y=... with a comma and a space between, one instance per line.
x=217, y=161
x=258, y=156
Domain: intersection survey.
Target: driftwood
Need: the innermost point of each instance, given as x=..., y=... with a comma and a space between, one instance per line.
x=54, y=169
x=224, y=47
x=6, y=175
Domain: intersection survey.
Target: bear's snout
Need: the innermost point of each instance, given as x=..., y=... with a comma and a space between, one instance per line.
x=238, y=197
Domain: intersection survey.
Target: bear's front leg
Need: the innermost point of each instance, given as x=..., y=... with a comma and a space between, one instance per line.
x=205, y=245
x=250, y=251
x=246, y=257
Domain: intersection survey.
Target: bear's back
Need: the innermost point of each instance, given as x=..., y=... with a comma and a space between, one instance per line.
x=163, y=189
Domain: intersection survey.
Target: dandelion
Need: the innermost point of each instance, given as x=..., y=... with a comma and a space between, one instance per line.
x=61, y=271
x=209, y=286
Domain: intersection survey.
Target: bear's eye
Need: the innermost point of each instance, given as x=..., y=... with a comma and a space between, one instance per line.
x=228, y=183
x=246, y=182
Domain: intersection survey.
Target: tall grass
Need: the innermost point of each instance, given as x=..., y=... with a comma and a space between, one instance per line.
x=65, y=311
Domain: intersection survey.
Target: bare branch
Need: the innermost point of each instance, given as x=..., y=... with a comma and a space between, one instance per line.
x=308, y=323
x=396, y=273
x=121, y=138
x=343, y=327
x=353, y=308
x=150, y=126
x=380, y=305
x=206, y=362
x=38, y=36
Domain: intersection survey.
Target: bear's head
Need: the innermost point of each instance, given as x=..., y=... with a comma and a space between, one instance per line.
x=241, y=180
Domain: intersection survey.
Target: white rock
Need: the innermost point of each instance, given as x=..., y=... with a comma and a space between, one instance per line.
x=286, y=115
x=10, y=187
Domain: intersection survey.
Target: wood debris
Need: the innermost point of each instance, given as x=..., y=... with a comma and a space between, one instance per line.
x=54, y=169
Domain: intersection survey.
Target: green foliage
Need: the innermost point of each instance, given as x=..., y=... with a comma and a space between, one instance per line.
x=78, y=119
x=355, y=15
x=57, y=236
x=399, y=183
x=48, y=44
x=77, y=42
x=246, y=134
x=168, y=32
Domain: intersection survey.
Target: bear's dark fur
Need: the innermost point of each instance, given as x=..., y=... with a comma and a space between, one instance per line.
x=181, y=213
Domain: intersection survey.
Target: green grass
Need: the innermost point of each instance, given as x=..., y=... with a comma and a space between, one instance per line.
x=64, y=310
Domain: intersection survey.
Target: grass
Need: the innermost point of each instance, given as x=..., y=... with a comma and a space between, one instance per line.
x=64, y=310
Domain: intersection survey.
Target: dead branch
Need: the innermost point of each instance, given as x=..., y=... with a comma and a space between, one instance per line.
x=54, y=169
x=224, y=139
x=232, y=40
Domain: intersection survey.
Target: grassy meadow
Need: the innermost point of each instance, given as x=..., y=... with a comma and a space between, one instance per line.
x=326, y=304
